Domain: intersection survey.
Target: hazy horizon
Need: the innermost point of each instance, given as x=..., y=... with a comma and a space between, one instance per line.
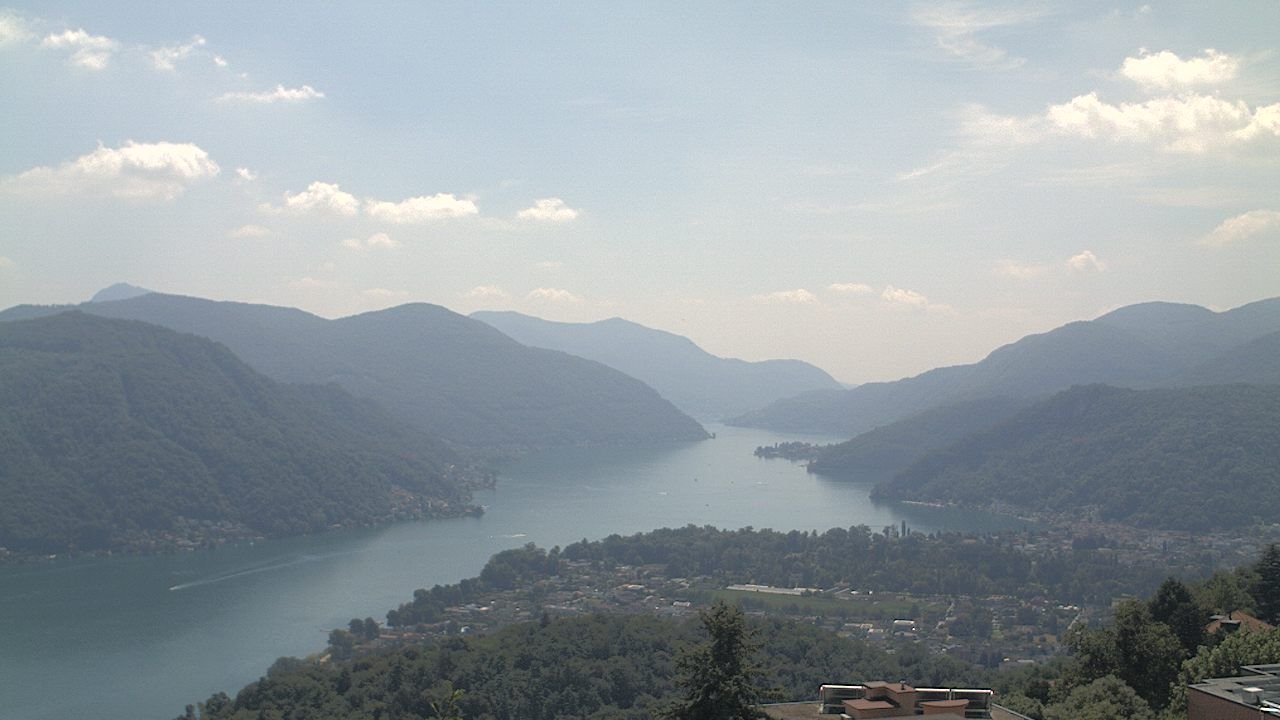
x=878, y=191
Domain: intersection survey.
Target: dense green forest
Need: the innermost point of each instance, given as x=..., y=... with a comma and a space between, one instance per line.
x=626, y=666
x=884, y=451
x=112, y=430
x=699, y=383
x=1152, y=649
x=443, y=373
x=941, y=564
x=1138, y=346
x=1199, y=458
x=599, y=666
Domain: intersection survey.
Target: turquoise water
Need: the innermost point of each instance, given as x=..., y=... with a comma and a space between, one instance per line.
x=140, y=637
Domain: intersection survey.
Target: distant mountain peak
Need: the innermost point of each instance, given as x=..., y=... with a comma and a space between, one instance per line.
x=1156, y=313
x=1146, y=345
x=119, y=291
x=698, y=382
x=442, y=373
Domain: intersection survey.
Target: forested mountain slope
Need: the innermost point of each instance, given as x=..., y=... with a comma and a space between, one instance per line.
x=886, y=450
x=699, y=383
x=1140, y=346
x=1257, y=361
x=111, y=428
x=1198, y=458
x=448, y=375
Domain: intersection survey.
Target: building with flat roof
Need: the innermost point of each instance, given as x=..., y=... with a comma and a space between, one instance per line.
x=1252, y=695
x=894, y=700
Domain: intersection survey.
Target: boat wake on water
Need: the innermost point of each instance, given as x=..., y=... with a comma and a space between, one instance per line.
x=254, y=570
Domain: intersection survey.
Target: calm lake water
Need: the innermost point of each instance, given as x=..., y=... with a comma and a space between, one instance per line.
x=129, y=638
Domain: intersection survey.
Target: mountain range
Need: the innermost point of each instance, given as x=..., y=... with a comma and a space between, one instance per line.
x=699, y=383
x=449, y=376
x=1190, y=458
x=1139, y=346
x=115, y=430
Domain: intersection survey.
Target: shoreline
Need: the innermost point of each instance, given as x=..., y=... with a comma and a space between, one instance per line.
x=221, y=534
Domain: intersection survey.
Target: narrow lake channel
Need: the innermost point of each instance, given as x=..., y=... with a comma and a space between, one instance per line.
x=137, y=638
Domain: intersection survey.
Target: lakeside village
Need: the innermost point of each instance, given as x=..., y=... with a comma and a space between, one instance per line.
x=996, y=631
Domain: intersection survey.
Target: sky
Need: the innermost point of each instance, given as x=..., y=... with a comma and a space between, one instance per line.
x=875, y=188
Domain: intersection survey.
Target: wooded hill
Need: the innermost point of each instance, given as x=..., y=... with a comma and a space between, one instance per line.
x=110, y=428
x=445, y=374
x=1198, y=458
x=619, y=667
x=882, y=452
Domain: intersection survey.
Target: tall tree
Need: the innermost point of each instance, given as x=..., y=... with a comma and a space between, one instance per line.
x=1107, y=698
x=717, y=677
x=1174, y=606
x=1226, y=592
x=1145, y=654
x=1150, y=653
x=1267, y=587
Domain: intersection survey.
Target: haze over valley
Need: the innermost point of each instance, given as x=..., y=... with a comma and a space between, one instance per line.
x=546, y=361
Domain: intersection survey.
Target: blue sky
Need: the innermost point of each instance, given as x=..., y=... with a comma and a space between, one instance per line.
x=878, y=189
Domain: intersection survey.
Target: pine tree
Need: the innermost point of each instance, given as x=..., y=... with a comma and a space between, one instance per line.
x=1174, y=606
x=717, y=677
x=1266, y=590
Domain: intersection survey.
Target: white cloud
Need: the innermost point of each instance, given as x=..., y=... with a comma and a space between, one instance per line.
x=250, y=231
x=13, y=29
x=548, y=210
x=421, y=209
x=91, y=52
x=1177, y=120
x=1085, y=262
x=957, y=25
x=485, y=292
x=328, y=197
x=246, y=174
x=279, y=94
x=1243, y=226
x=319, y=197
x=548, y=265
x=166, y=58
x=220, y=61
x=1165, y=70
x=377, y=240
x=5, y=262
x=850, y=289
x=1020, y=271
x=799, y=296
x=137, y=171
x=904, y=297
x=553, y=295
x=1185, y=123
x=1265, y=121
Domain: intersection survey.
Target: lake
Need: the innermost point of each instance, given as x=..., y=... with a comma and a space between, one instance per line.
x=129, y=638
